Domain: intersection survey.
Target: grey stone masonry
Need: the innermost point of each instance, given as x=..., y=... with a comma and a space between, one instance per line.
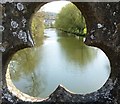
x=103, y=31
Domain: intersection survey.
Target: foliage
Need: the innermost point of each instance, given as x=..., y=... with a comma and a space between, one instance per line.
x=37, y=27
x=75, y=50
x=71, y=20
x=26, y=60
x=23, y=65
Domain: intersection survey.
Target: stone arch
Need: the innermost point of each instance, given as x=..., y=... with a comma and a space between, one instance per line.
x=103, y=25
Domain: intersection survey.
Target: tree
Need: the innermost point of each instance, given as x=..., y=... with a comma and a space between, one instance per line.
x=71, y=20
x=25, y=61
x=37, y=27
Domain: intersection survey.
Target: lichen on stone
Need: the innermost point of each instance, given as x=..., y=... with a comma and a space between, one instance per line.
x=22, y=35
x=24, y=22
x=5, y=1
x=20, y=6
x=92, y=37
x=2, y=28
x=14, y=24
x=114, y=13
x=2, y=49
x=14, y=33
x=100, y=29
x=99, y=25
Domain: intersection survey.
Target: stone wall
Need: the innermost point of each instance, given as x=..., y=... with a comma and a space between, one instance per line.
x=103, y=25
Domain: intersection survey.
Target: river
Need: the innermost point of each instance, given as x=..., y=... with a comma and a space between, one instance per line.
x=61, y=59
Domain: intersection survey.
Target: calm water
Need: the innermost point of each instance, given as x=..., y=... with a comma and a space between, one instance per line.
x=61, y=60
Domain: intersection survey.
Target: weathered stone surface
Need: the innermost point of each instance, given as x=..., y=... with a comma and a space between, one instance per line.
x=103, y=25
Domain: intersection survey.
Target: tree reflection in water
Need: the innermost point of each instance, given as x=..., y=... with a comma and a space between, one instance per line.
x=60, y=60
x=76, y=51
x=22, y=66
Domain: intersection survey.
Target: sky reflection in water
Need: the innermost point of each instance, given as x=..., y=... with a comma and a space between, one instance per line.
x=59, y=60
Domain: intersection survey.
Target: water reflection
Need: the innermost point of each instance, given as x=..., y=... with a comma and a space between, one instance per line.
x=61, y=59
x=76, y=51
x=25, y=60
x=22, y=71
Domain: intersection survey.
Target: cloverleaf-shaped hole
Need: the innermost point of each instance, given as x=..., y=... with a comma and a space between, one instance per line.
x=58, y=58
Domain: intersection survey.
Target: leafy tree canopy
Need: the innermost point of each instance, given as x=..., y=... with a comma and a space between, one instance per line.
x=71, y=20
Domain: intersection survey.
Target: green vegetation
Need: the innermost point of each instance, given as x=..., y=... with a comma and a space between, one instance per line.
x=21, y=58
x=24, y=62
x=37, y=27
x=71, y=20
x=76, y=51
